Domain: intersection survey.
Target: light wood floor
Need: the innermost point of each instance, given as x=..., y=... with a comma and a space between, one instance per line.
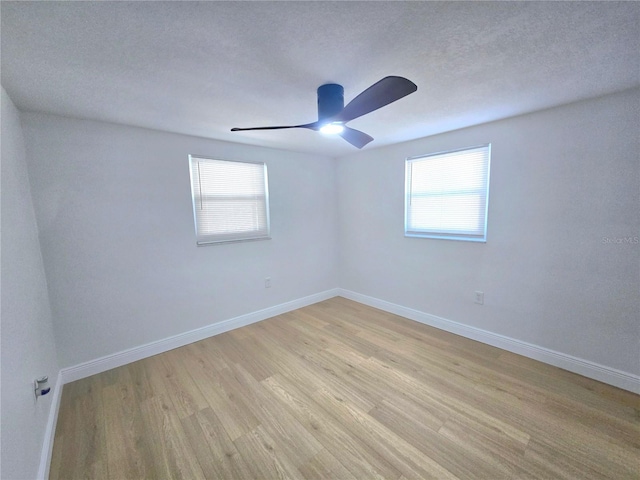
x=341, y=390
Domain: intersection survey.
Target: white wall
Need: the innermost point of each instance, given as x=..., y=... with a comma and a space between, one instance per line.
x=114, y=211
x=113, y=205
x=562, y=182
x=28, y=350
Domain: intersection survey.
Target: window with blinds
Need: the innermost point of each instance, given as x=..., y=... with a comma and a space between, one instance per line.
x=230, y=200
x=447, y=194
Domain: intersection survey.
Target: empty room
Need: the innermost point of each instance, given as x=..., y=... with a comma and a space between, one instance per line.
x=320, y=240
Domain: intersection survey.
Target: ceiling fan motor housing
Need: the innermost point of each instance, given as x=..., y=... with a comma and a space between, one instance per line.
x=330, y=100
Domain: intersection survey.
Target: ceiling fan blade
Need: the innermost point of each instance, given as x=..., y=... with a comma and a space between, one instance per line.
x=355, y=137
x=311, y=126
x=382, y=93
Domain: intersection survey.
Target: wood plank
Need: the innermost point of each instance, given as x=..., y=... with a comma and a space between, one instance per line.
x=458, y=460
x=234, y=413
x=323, y=466
x=411, y=462
x=264, y=456
x=127, y=446
x=169, y=451
x=81, y=426
x=293, y=439
x=216, y=453
x=349, y=450
x=186, y=396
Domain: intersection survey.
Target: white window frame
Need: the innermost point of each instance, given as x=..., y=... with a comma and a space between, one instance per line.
x=242, y=235
x=478, y=234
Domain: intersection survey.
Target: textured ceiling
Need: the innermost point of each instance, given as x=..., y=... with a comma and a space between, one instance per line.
x=200, y=68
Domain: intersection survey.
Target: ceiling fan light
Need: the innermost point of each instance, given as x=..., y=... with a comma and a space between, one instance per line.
x=332, y=128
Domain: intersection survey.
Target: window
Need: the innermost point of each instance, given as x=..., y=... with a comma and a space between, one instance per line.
x=447, y=194
x=230, y=200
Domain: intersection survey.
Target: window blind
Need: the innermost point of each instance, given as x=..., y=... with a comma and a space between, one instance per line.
x=446, y=194
x=230, y=200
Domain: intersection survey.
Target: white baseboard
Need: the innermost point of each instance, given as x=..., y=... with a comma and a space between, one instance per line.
x=611, y=376
x=124, y=357
x=50, y=430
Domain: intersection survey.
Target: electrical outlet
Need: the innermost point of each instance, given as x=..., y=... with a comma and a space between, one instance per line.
x=479, y=298
x=267, y=282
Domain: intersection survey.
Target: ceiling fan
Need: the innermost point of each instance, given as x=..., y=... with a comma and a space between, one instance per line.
x=333, y=115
